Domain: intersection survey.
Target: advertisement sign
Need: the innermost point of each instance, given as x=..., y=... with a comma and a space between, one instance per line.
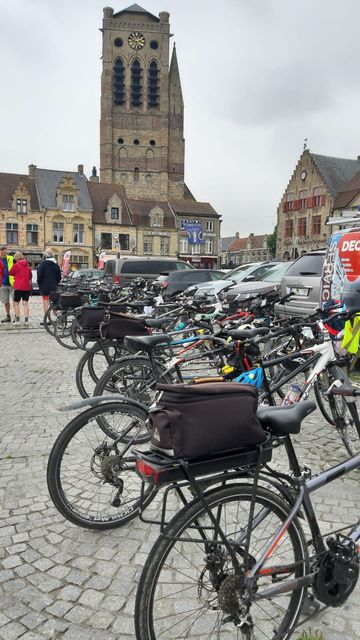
x=341, y=271
x=101, y=260
x=194, y=233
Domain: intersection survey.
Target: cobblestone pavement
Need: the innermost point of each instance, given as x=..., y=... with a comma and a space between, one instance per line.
x=60, y=581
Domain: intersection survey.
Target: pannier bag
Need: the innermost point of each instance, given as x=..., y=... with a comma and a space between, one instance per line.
x=194, y=421
x=70, y=300
x=91, y=317
x=120, y=325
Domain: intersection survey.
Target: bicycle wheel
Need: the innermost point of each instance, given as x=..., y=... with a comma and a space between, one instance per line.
x=321, y=385
x=189, y=587
x=94, y=362
x=50, y=318
x=90, y=483
x=132, y=377
x=346, y=419
x=62, y=331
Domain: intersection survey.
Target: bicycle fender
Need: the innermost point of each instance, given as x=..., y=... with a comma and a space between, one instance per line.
x=79, y=404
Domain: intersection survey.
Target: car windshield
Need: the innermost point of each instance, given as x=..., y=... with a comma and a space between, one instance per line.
x=276, y=273
x=239, y=274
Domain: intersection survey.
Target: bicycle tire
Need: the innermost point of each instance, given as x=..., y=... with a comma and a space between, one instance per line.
x=62, y=330
x=180, y=552
x=49, y=320
x=321, y=384
x=75, y=469
x=347, y=422
x=131, y=376
x=86, y=376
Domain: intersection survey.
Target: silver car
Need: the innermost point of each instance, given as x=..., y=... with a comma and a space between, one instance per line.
x=302, y=279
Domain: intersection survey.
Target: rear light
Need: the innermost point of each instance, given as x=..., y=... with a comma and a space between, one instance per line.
x=116, y=279
x=164, y=284
x=147, y=472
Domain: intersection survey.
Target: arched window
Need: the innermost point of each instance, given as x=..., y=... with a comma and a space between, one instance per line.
x=136, y=174
x=153, y=85
x=119, y=82
x=136, y=84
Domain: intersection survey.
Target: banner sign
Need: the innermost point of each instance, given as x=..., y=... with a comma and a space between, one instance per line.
x=65, y=263
x=194, y=233
x=341, y=271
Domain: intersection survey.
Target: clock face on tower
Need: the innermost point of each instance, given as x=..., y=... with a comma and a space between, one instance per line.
x=136, y=40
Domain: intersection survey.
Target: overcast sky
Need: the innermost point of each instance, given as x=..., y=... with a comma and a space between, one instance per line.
x=258, y=76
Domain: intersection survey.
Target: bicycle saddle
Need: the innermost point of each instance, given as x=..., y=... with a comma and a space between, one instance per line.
x=145, y=343
x=156, y=323
x=285, y=420
x=245, y=334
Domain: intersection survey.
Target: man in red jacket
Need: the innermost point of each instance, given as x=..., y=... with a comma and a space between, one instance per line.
x=22, y=286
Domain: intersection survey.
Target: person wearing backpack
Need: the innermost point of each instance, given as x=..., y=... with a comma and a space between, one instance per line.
x=6, y=290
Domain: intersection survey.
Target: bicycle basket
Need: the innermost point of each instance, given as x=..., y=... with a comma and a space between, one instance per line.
x=54, y=297
x=121, y=325
x=90, y=317
x=189, y=420
x=70, y=300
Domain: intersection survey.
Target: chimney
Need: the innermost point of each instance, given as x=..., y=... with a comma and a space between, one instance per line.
x=81, y=169
x=108, y=12
x=237, y=235
x=164, y=16
x=32, y=170
x=94, y=177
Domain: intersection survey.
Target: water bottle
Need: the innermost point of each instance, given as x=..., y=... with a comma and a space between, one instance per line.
x=292, y=396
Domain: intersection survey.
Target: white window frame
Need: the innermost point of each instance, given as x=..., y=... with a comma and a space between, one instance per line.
x=209, y=247
x=68, y=202
x=196, y=249
x=184, y=245
x=78, y=230
x=209, y=225
x=58, y=227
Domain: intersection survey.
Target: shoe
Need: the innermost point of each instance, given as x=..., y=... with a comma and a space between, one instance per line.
x=7, y=319
x=16, y=321
x=41, y=324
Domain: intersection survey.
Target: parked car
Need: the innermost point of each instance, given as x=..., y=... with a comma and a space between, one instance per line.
x=262, y=283
x=244, y=273
x=85, y=274
x=34, y=282
x=126, y=269
x=302, y=280
x=177, y=281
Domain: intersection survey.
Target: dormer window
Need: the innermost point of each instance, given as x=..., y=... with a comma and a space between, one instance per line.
x=114, y=213
x=68, y=202
x=156, y=217
x=21, y=205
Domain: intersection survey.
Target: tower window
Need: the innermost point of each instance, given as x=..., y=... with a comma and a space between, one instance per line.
x=136, y=84
x=118, y=42
x=121, y=140
x=118, y=82
x=136, y=141
x=154, y=44
x=153, y=143
x=136, y=174
x=153, y=85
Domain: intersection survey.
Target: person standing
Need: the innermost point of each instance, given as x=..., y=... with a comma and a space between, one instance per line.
x=22, y=285
x=6, y=290
x=48, y=276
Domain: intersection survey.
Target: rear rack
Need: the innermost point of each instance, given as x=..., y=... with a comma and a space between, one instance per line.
x=160, y=469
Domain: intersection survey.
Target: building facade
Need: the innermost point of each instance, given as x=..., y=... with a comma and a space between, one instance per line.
x=64, y=199
x=21, y=218
x=142, y=109
x=308, y=201
x=237, y=251
x=201, y=249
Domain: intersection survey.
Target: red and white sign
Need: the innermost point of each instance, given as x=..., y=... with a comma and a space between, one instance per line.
x=349, y=253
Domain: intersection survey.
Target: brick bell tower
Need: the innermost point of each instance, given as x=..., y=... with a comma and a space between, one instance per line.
x=142, y=109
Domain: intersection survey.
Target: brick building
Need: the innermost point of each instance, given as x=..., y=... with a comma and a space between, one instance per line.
x=236, y=250
x=308, y=201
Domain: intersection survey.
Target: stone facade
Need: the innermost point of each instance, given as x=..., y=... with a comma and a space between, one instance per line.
x=142, y=110
x=308, y=202
x=206, y=254
x=244, y=250
x=21, y=219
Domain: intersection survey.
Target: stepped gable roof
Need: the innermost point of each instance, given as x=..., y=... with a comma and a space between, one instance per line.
x=336, y=172
x=257, y=242
x=100, y=192
x=225, y=243
x=9, y=182
x=140, y=209
x=135, y=8
x=349, y=191
x=193, y=208
x=48, y=180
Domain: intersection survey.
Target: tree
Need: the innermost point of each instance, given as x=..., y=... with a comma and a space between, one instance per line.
x=271, y=242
